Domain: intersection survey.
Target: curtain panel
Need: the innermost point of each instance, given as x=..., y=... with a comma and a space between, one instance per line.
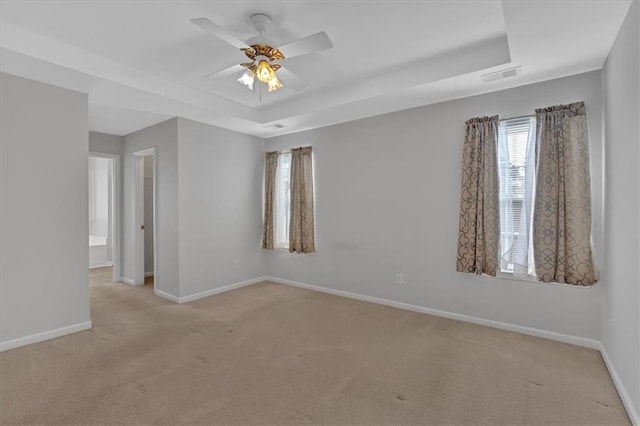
x=479, y=227
x=562, y=212
x=271, y=164
x=301, y=225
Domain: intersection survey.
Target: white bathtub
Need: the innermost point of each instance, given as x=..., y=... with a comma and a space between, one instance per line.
x=98, y=254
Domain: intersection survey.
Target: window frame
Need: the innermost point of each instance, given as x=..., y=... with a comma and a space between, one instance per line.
x=503, y=123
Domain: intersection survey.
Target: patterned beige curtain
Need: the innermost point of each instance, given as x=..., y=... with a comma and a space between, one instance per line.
x=562, y=212
x=271, y=164
x=301, y=226
x=479, y=229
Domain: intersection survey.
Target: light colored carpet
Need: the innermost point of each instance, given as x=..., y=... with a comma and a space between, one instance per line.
x=99, y=276
x=272, y=354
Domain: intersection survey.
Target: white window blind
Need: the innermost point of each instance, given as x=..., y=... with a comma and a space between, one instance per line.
x=516, y=173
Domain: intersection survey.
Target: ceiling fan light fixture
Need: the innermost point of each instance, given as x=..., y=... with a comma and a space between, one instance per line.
x=247, y=79
x=263, y=55
x=264, y=71
x=274, y=84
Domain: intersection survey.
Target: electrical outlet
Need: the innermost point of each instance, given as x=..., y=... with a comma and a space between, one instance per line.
x=399, y=278
x=236, y=264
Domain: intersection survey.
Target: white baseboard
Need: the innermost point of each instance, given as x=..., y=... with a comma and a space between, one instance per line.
x=207, y=293
x=551, y=335
x=167, y=296
x=149, y=274
x=632, y=411
x=101, y=265
x=129, y=281
x=46, y=335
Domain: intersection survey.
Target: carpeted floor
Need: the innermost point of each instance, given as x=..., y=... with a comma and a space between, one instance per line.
x=99, y=276
x=272, y=354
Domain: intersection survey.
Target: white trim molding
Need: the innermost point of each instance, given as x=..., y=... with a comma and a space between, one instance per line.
x=166, y=295
x=129, y=281
x=551, y=335
x=207, y=293
x=46, y=335
x=632, y=412
x=101, y=265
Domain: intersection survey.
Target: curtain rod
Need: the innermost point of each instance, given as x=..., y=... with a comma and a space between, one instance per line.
x=287, y=152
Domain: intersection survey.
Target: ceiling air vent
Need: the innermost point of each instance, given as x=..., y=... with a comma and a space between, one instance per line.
x=502, y=74
x=277, y=126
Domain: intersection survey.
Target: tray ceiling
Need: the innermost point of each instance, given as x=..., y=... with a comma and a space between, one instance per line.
x=142, y=62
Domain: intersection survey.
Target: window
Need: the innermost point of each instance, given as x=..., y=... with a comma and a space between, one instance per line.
x=516, y=174
x=282, y=202
x=288, y=204
x=529, y=215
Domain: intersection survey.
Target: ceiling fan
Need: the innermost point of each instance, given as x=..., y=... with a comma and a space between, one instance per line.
x=263, y=56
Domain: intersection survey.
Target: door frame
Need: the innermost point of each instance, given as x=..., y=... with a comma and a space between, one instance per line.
x=138, y=213
x=116, y=210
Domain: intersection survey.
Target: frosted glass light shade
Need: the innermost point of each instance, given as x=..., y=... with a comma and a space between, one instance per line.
x=247, y=79
x=274, y=84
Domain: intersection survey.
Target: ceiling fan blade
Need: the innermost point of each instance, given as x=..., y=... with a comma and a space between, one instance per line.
x=225, y=72
x=313, y=43
x=208, y=26
x=291, y=80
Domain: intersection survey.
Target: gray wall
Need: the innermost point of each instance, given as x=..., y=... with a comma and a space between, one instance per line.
x=44, y=278
x=163, y=136
x=387, y=198
x=106, y=144
x=220, y=197
x=209, y=211
x=621, y=322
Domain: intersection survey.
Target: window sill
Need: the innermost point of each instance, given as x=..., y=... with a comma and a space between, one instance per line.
x=284, y=250
x=509, y=276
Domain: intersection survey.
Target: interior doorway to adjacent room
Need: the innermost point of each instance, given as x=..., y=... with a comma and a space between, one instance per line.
x=104, y=242
x=145, y=218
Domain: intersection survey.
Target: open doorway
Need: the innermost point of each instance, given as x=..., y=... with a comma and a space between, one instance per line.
x=145, y=201
x=104, y=242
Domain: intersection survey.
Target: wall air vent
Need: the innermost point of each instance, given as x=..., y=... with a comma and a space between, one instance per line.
x=502, y=74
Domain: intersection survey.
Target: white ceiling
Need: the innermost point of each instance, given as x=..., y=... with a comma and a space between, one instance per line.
x=142, y=62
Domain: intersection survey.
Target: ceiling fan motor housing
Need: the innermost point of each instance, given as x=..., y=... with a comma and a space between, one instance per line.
x=261, y=22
